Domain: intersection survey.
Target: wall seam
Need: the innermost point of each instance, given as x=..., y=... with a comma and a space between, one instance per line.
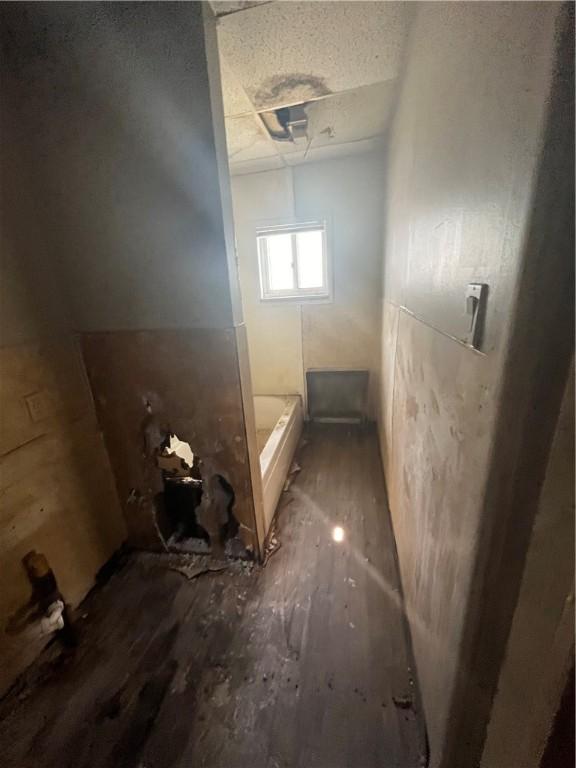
x=435, y=328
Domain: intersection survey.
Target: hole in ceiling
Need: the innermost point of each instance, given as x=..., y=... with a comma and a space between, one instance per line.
x=292, y=88
x=287, y=123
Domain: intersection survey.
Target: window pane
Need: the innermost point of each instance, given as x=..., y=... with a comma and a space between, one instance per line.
x=310, y=267
x=280, y=273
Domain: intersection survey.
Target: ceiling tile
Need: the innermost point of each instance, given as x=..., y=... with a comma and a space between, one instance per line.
x=246, y=140
x=316, y=154
x=256, y=166
x=345, y=117
x=235, y=100
x=223, y=7
x=287, y=52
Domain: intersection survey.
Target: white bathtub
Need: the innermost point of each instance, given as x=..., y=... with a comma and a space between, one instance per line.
x=279, y=420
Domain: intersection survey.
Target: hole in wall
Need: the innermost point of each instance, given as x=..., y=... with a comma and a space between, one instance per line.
x=195, y=514
x=181, y=500
x=177, y=505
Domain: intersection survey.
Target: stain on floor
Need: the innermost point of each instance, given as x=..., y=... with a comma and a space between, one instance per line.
x=301, y=664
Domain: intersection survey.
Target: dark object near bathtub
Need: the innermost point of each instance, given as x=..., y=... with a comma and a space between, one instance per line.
x=46, y=594
x=337, y=395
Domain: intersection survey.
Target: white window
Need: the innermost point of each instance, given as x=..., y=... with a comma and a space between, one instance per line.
x=293, y=262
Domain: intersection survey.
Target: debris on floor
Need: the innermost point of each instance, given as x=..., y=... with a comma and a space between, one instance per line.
x=242, y=566
x=188, y=565
x=234, y=668
x=294, y=469
x=235, y=549
x=191, y=545
x=272, y=544
x=192, y=565
x=194, y=569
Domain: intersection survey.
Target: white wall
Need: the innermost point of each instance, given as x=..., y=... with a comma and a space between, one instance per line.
x=125, y=166
x=287, y=338
x=273, y=329
x=471, y=197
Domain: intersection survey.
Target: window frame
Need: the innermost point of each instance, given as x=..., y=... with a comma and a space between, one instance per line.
x=268, y=294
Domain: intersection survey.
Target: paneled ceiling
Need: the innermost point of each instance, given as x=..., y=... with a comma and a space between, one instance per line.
x=340, y=58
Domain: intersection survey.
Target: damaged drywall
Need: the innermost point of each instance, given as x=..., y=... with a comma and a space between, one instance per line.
x=195, y=512
x=177, y=506
x=176, y=424
x=177, y=458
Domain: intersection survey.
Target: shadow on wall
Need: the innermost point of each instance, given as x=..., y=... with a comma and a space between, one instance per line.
x=534, y=379
x=57, y=488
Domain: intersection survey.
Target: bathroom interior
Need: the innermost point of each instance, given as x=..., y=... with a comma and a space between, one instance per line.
x=286, y=412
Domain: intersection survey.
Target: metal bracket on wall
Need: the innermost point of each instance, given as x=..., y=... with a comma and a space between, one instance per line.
x=476, y=295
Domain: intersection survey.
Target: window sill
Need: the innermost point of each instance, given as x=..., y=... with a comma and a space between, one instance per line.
x=296, y=299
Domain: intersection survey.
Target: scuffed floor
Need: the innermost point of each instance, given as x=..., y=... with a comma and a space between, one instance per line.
x=302, y=664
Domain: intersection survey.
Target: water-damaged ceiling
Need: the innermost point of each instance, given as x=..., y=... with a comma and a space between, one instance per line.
x=339, y=58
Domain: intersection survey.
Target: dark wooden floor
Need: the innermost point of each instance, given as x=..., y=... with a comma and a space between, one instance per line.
x=302, y=664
